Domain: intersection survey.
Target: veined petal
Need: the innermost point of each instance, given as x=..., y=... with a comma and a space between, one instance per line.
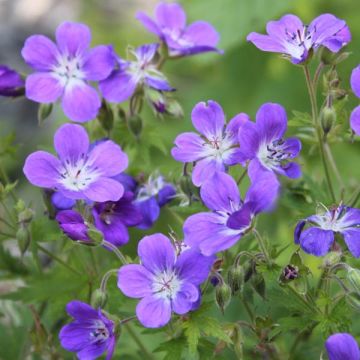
x=201, y=33
x=355, y=81
x=265, y=42
x=316, y=241
x=249, y=139
x=287, y=24
x=170, y=16
x=41, y=169
x=233, y=126
x=150, y=211
x=185, y=298
x=189, y=147
x=104, y=189
x=153, y=312
x=148, y=23
x=99, y=63
x=352, y=240
x=156, y=253
x=73, y=38
x=342, y=346
x=42, y=87
x=205, y=169
x=80, y=102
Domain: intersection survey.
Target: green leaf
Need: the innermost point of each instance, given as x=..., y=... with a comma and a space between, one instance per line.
x=173, y=348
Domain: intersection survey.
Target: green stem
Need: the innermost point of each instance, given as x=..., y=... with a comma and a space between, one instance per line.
x=248, y=310
x=138, y=341
x=262, y=246
x=4, y=175
x=60, y=261
x=7, y=223
x=116, y=251
x=8, y=212
x=313, y=101
x=106, y=278
x=333, y=165
x=242, y=176
x=354, y=198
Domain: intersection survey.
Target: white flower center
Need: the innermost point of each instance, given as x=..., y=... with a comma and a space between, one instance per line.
x=217, y=146
x=166, y=285
x=297, y=42
x=177, y=37
x=100, y=332
x=68, y=70
x=272, y=154
x=151, y=188
x=334, y=219
x=77, y=176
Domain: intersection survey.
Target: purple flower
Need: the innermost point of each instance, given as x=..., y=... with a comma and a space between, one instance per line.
x=73, y=225
x=150, y=197
x=292, y=38
x=123, y=82
x=230, y=217
x=78, y=173
x=164, y=282
x=217, y=145
x=64, y=70
x=355, y=115
x=319, y=235
x=113, y=218
x=11, y=82
x=263, y=144
x=90, y=334
x=170, y=26
x=342, y=346
x=61, y=202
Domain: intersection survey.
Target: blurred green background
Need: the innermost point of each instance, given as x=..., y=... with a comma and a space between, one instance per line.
x=240, y=80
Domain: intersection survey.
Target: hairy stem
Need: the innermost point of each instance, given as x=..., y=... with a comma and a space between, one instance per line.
x=116, y=251
x=106, y=278
x=262, y=246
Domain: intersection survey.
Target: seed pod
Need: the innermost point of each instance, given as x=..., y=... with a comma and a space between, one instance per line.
x=25, y=216
x=236, y=278
x=23, y=237
x=98, y=299
x=327, y=118
x=258, y=284
x=135, y=125
x=223, y=296
x=106, y=116
x=353, y=277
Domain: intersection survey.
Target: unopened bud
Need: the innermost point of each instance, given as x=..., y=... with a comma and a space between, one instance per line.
x=23, y=237
x=327, y=118
x=98, y=299
x=135, y=125
x=223, y=296
x=332, y=258
x=187, y=186
x=174, y=109
x=236, y=278
x=44, y=112
x=25, y=216
x=106, y=116
x=289, y=273
x=258, y=284
x=353, y=277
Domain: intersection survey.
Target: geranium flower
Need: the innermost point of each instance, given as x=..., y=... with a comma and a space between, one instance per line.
x=342, y=346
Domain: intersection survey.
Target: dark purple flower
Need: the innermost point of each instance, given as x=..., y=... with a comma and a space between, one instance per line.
x=263, y=144
x=90, y=334
x=123, y=82
x=127, y=181
x=61, y=202
x=113, y=218
x=164, y=282
x=230, y=217
x=355, y=115
x=150, y=197
x=65, y=68
x=320, y=230
x=217, y=145
x=342, y=346
x=170, y=26
x=78, y=173
x=73, y=225
x=11, y=82
x=292, y=38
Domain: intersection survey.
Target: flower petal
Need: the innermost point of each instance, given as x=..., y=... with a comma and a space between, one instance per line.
x=81, y=311
x=220, y=193
x=115, y=232
x=205, y=169
x=93, y=351
x=134, y=281
x=316, y=241
x=166, y=194
x=42, y=87
x=80, y=102
x=233, y=126
x=193, y=266
x=355, y=120
x=150, y=211
x=61, y=202
x=41, y=169
x=40, y=52
x=153, y=312
x=171, y=16
x=99, y=63
x=118, y=87
x=156, y=253
x=265, y=42
x=208, y=119
x=355, y=81
x=148, y=23
x=185, y=298
x=298, y=229
x=271, y=121
x=342, y=346
x=208, y=233
x=71, y=143
x=201, y=33
x=104, y=189
x=108, y=158
x=291, y=170
x=189, y=147
x=73, y=38
x=352, y=240
x=249, y=139
x=158, y=83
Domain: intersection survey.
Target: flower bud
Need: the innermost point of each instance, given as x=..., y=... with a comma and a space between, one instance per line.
x=327, y=118
x=98, y=299
x=106, y=116
x=135, y=125
x=44, y=112
x=187, y=186
x=11, y=82
x=258, y=284
x=223, y=296
x=25, y=216
x=289, y=273
x=23, y=238
x=353, y=277
x=353, y=299
x=174, y=109
x=332, y=258
x=236, y=278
